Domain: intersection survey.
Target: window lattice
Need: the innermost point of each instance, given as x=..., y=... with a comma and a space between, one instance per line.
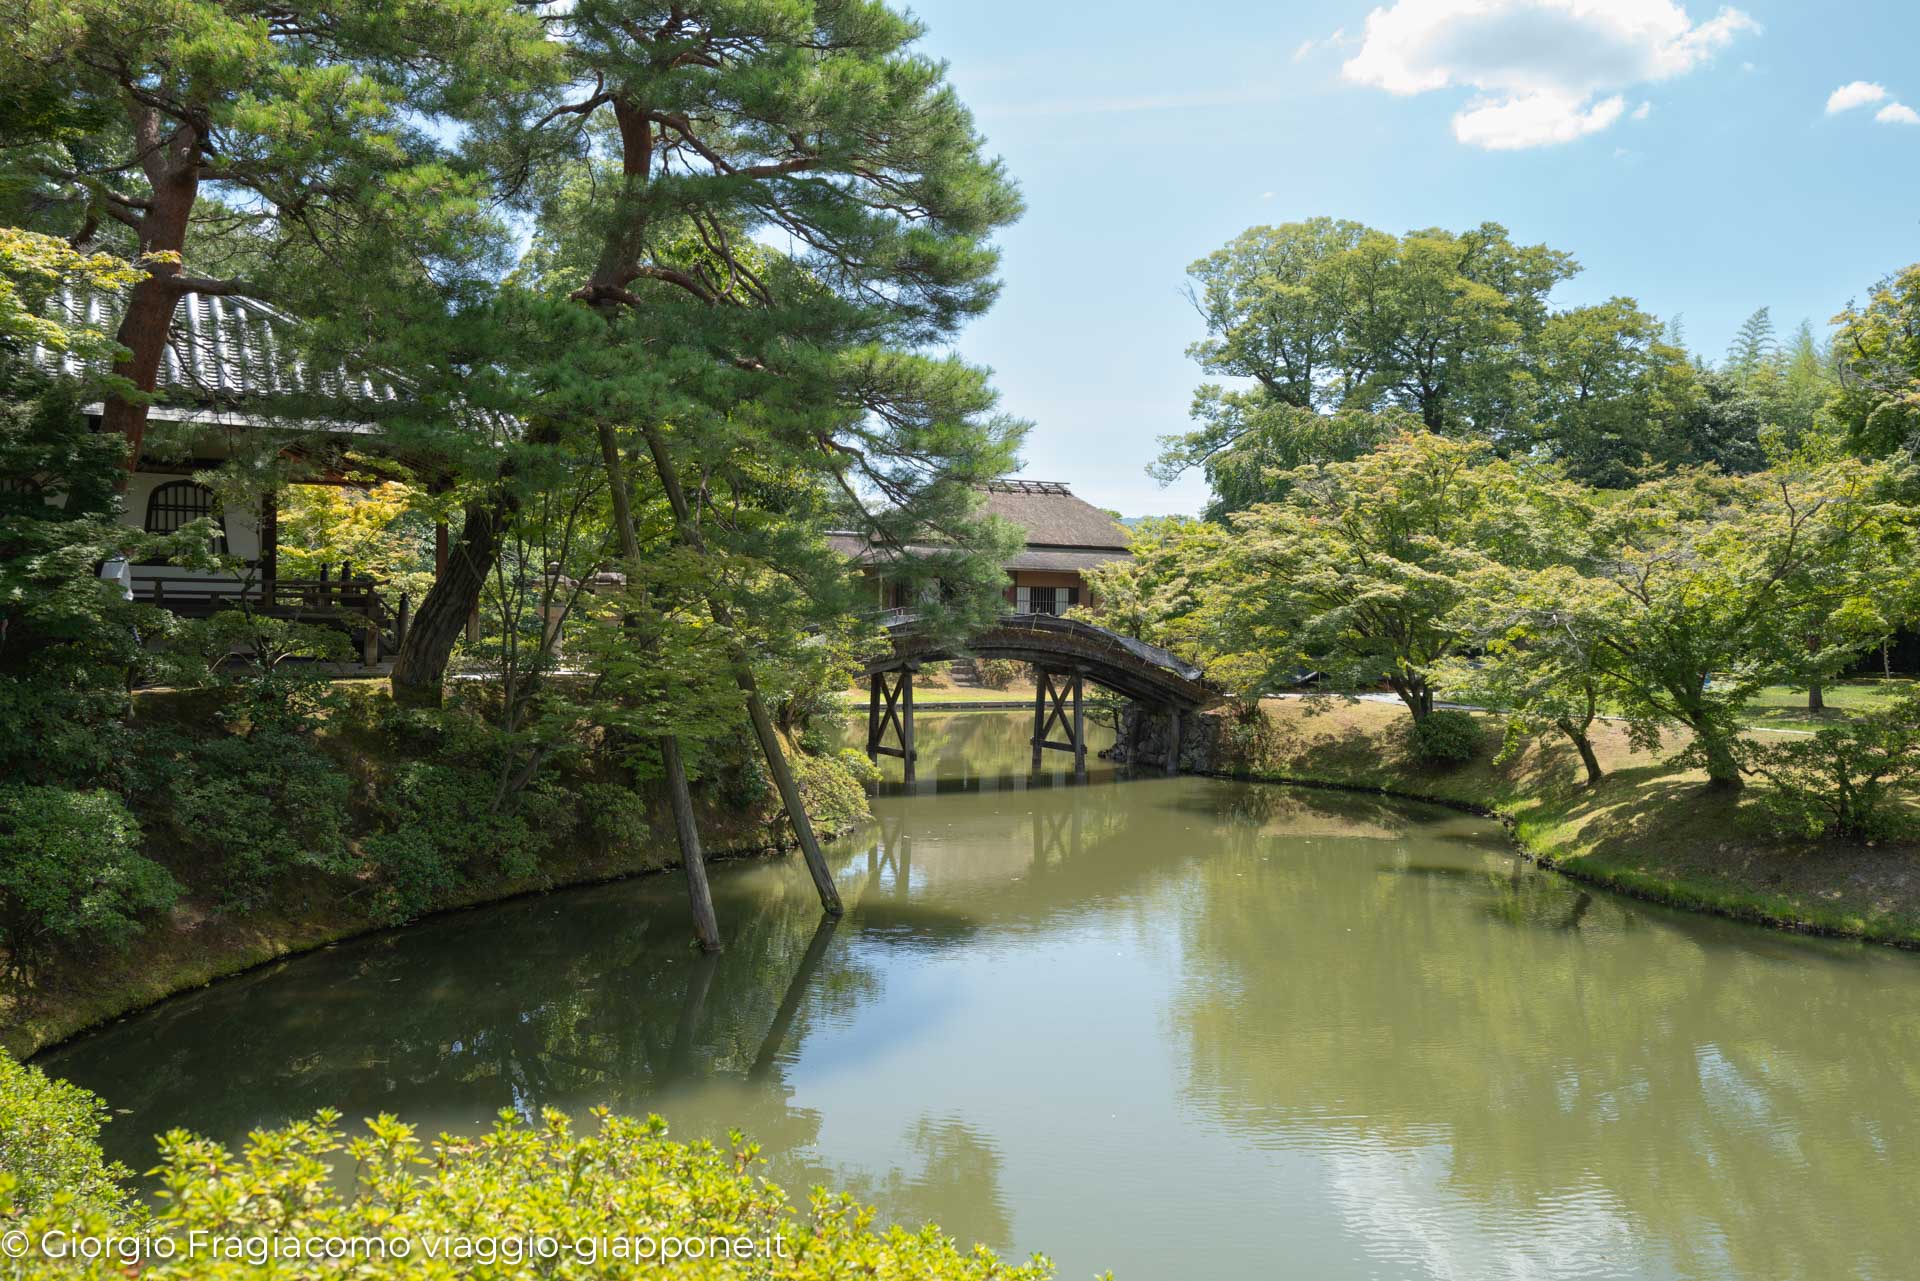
x=179, y=503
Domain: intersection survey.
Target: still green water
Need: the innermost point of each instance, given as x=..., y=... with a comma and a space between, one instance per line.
x=1181, y=1028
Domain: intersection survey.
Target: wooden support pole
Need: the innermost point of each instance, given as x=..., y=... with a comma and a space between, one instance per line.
x=906, y=726
x=1079, y=733
x=690, y=537
x=1041, y=684
x=706, y=926
x=1173, y=740
x=874, y=683
x=370, y=639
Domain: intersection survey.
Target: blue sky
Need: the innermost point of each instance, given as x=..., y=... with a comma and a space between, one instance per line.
x=1684, y=153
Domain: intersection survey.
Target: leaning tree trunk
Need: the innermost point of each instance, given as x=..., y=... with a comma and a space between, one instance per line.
x=1584, y=746
x=420, y=669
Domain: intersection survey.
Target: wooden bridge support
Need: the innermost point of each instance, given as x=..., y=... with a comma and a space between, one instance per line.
x=1050, y=694
x=890, y=707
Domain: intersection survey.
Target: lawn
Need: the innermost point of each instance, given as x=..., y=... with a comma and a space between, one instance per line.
x=1785, y=706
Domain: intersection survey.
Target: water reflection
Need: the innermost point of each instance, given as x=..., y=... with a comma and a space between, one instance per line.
x=1176, y=1027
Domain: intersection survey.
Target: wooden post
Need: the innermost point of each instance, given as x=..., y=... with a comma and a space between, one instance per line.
x=1042, y=682
x=370, y=639
x=906, y=726
x=269, y=545
x=690, y=537
x=322, y=599
x=706, y=927
x=1173, y=740
x=874, y=683
x=1079, y=733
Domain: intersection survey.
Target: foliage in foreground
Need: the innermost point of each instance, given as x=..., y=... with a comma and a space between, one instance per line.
x=50, y=1145
x=619, y=1200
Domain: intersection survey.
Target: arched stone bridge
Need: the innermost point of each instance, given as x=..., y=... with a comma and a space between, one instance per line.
x=1064, y=651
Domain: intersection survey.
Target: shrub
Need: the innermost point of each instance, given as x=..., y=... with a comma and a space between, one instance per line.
x=625, y=1180
x=616, y=816
x=997, y=673
x=50, y=1143
x=1445, y=738
x=71, y=873
x=442, y=821
x=260, y=807
x=416, y=871
x=833, y=788
x=1844, y=780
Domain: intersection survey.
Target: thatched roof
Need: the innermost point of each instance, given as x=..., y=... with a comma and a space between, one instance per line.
x=1053, y=518
x=1064, y=533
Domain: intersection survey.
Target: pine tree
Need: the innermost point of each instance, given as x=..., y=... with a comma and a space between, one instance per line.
x=1753, y=348
x=214, y=141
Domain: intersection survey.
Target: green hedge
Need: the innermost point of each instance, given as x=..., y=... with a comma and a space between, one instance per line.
x=618, y=1200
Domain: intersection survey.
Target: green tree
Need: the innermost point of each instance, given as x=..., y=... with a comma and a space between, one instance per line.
x=1154, y=593
x=1754, y=348
x=1365, y=571
x=1537, y=637
x=1608, y=391
x=1699, y=593
x=1877, y=350
x=218, y=143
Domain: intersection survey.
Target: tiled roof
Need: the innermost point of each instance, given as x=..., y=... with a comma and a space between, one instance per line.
x=222, y=351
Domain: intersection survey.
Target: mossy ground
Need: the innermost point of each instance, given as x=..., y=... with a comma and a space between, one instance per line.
x=1650, y=828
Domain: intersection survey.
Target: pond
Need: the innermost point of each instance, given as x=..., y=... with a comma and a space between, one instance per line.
x=1182, y=1028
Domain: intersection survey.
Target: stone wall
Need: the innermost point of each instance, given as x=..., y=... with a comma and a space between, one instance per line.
x=1143, y=740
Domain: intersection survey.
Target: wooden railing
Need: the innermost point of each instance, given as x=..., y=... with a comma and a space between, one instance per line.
x=346, y=601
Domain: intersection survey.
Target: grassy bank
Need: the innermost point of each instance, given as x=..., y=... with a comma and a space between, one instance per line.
x=207, y=935
x=1650, y=829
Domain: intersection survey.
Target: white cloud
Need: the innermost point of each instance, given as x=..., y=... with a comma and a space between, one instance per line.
x=1898, y=113
x=1532, y=120
x=1547, y=71
x=1334, y=41
x=1858, y=94
x=1642, y=111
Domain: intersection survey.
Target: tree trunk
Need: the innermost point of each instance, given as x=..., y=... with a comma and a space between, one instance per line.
x=1816, y=697
x=1584, y=746
x=420, y=669
x=172, y=167
x=1723, y=772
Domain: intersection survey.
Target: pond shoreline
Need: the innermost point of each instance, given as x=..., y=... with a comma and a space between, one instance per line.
x=1650, y=831
x=51, y=1025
